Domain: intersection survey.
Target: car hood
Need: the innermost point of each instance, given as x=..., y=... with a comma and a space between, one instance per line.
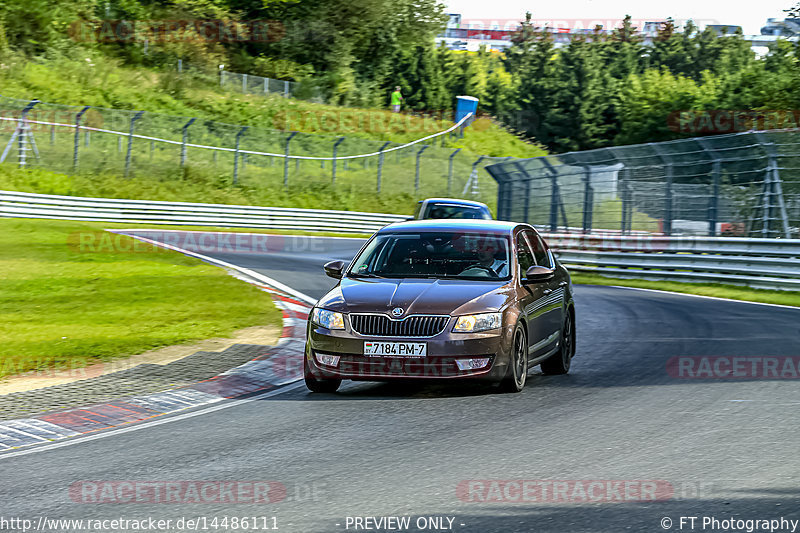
x=417, y=296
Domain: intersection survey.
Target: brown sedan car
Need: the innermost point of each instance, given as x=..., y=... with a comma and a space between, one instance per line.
x=443, y=299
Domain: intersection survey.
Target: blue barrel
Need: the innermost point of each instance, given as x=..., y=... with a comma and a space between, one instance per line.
x=464, y=106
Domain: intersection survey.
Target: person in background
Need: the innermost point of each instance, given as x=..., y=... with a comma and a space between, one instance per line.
x=397, y=99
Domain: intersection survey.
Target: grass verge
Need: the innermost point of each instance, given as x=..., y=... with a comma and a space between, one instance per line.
x=65, y=309
x=732, y=292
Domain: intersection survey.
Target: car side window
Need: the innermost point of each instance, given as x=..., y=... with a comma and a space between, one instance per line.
x=540, y=252
x=524, y=255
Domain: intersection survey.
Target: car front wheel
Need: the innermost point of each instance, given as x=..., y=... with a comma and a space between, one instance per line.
x=560, y=361
x=317, y=384
x=517, y=373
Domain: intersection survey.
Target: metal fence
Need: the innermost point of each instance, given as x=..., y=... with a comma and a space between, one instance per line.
x=754, y=262
x=745, y=184
x=29, y=205
x=252, y=84
x=761, y=263
x=135, y=144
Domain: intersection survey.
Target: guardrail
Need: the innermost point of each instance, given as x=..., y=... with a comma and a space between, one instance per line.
x=758, y=263
x=29, y=205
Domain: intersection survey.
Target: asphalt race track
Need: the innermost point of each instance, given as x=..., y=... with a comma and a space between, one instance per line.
x=728, y=448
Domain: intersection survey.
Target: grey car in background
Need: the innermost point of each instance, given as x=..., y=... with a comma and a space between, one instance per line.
x=451, y=208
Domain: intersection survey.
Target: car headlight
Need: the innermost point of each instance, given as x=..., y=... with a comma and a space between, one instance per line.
x=476, y=323
x=327, y=319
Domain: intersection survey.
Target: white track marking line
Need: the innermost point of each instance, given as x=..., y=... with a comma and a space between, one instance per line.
x=701, y=296
x=117, y=431
x=181, y=398
x=253, y=274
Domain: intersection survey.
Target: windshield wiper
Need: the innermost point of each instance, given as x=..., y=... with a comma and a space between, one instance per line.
x=357, y=275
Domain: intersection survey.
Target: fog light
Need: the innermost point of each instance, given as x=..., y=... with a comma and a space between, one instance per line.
x=327, y=359
x=472, y=364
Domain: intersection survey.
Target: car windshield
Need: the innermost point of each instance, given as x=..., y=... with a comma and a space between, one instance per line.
x=446, y=255
x=456, y=211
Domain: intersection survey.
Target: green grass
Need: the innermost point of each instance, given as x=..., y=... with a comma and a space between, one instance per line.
x=104, y=82
x=732, y=292
x=60, y=307
x=208, y=176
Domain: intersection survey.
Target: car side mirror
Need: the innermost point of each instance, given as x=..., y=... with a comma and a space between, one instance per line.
x=334, y=269
x=536, y=274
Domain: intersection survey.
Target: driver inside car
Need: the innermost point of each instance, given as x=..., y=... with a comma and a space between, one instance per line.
x=488, y=263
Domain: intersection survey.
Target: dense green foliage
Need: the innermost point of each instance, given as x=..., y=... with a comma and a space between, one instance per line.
x=599, y=90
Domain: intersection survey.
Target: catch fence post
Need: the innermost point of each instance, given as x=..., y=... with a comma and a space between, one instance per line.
x=135, y=117
x=78, y=117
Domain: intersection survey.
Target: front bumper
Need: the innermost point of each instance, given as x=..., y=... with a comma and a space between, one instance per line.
x=443, y=350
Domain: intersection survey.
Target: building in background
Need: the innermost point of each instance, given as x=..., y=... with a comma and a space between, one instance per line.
x=782, y=28
x=470, y=37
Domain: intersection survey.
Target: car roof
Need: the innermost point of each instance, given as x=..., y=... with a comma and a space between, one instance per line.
x=455, y=201
x=439, y=224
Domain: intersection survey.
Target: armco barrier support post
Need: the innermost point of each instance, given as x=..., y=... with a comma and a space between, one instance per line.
x=380, y=162
x=135, y=117
x=416, y=173
x=266, y=85
x=185, y=140
x=286, y=159
x=244, y=83
x=333, y=165
x=450, y=171
x=236, y=155
x=78, y=117
x=286, y=89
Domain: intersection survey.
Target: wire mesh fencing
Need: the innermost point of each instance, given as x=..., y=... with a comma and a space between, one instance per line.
x=135, y=144
x=252, y=84
x=745, y=184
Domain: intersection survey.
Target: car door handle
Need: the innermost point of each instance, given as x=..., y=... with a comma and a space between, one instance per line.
x=562, y=284
x=547, y=291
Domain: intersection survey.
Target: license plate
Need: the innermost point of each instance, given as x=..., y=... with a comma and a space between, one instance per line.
x=396, y=349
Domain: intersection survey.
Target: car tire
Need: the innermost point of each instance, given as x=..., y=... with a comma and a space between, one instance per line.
x=517, y=373
x=560, y=361
x=319, y=385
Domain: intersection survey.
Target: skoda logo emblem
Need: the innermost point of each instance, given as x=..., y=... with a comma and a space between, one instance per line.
x=397, y=311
